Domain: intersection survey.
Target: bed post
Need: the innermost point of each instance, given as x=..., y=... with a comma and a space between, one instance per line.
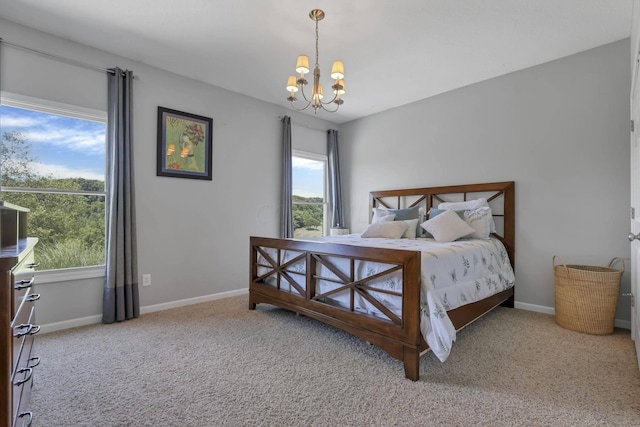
x=411, y=360
x=411, y=317
x=253, y=272
x=510, y=231
x=509, y=239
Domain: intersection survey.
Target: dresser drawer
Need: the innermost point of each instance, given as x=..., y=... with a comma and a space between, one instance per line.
x=24, y=367
x=24, y=313
x=24, y=300
x=23, y=278
x=26, y=264
x=23, y=333
x=21, y=288
x=22, y=395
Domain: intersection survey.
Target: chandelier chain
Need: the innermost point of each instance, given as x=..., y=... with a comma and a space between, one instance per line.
x=317, y=64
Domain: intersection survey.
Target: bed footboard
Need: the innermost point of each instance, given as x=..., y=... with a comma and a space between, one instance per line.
x=309, y=278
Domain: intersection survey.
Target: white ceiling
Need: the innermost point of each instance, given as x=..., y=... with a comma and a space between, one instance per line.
x=395, y=52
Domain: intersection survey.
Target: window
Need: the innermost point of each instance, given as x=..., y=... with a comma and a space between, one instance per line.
x=308, y=179
x=52, y=161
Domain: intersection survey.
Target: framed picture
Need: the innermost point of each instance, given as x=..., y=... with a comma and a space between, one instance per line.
x=184, y=145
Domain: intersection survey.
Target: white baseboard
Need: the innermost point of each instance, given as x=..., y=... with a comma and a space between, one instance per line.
x=83, y=321
x=68, y=324
x=536, y=308
x=624, y=324
x=189, y=301
x=90, y=320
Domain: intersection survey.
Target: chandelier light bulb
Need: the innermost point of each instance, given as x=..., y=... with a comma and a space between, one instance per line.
x=337, y=70
x=302, y=65
x=318, y=94
x=339, y=90
x=292, y=84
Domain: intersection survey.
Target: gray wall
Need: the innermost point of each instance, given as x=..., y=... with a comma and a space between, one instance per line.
x=635, y=31
x=193, y=235
x=560, y=130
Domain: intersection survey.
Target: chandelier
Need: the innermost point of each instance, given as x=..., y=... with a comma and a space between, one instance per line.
x=302, y=66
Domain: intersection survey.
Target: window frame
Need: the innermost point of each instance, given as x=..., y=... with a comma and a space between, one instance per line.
x=325, y=204
x=77, y=112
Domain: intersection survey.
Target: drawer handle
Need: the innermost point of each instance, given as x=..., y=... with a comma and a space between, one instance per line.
x=27, y=326
x=23, y=284
x=33, y=362
x=33, y=297
x=29, y=420
x=33, y=265
x=27, y=376
x=29, y=330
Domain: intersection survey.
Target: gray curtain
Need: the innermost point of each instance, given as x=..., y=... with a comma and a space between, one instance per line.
x=286, y=221
x=335, y=183
x=120, y=298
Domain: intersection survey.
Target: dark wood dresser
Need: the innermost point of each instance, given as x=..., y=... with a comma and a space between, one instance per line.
x=17, y=316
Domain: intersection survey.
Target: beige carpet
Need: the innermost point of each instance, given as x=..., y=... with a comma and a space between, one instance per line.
x=220, y=364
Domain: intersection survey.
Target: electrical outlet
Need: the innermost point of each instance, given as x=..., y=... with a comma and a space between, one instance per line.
x=146, y=280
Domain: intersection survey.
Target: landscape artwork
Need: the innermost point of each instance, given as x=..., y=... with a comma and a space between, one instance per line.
x=184, y=145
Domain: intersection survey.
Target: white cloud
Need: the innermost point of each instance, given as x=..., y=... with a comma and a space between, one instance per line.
x=305, y=193
x=61, y=172
x=299, y=162
x=70, y=139
x=17, y=122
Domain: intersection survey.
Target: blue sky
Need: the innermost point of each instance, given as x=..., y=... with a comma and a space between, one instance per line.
x=307, y=177
x=63, y=147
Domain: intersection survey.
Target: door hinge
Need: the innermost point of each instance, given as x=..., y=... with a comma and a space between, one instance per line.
x=633, y=298
x=633, y=213
x=632, y=126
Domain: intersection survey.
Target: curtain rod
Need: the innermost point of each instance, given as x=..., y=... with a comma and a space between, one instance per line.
x=58, y=58
x=304, y=126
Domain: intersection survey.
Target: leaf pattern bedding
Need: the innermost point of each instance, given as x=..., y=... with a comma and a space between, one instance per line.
x=453, y=274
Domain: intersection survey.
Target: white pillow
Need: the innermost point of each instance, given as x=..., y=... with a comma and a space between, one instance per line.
x=412, y=225
x=382, y=216
x=401, y=214
x=447, y=227
x=468, y=205
x=389, y=230
x=480, y=220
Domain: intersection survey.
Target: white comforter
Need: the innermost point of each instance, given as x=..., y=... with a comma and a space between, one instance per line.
x=453, y=274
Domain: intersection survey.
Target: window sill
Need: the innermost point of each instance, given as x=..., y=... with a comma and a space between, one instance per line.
x=68, y=274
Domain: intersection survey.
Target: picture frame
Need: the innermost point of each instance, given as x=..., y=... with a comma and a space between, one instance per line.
x=184, y=145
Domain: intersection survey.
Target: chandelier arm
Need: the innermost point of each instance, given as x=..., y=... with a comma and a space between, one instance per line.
x=323, y=106
x=299, y=109
x=304, y=95
x=335, y=96
x=308, y=101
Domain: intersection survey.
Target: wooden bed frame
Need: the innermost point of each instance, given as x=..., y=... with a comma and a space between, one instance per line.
x=399, y=336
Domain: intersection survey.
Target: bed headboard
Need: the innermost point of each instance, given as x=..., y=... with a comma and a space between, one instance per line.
x=500, y=196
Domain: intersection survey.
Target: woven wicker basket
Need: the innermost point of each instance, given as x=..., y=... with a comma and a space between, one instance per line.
x=586, y=296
